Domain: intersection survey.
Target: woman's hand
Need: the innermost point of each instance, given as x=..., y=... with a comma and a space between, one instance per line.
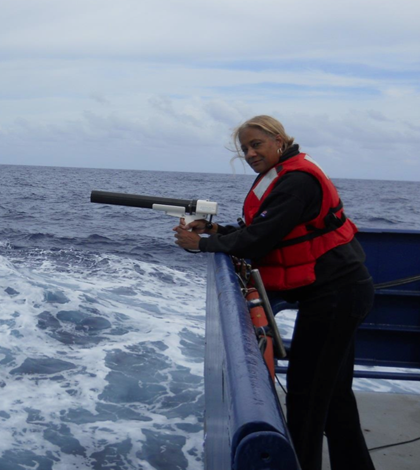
x=202, y=226
x=188, y=236
x=197, y=226
x=185, y=238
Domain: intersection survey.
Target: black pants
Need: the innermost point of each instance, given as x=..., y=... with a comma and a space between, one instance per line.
x=319, y=379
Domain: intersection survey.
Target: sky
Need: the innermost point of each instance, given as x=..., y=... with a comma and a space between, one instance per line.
x=161, y=84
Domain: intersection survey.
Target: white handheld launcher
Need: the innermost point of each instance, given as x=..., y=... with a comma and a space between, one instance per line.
x=189, y=210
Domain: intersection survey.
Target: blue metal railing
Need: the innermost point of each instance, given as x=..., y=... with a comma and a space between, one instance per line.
x=244, y=425
x=390, y=335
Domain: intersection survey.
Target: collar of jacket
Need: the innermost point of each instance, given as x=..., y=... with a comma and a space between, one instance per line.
x=292, y=151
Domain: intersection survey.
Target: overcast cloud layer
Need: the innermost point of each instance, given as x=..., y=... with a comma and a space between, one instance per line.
x=159, y=85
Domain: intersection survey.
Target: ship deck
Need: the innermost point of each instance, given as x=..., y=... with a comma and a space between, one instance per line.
x=387, y=418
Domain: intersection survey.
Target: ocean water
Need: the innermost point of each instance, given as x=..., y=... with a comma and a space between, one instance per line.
x=102, y=315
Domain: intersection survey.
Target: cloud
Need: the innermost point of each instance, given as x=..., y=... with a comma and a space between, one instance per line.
x=218, y=29
x=161, y=85
x=99, y=98
x=193, y=136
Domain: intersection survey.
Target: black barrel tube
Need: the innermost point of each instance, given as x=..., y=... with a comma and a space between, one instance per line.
x=138, y=200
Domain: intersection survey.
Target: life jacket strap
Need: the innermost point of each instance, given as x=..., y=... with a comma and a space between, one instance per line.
x=331, y=221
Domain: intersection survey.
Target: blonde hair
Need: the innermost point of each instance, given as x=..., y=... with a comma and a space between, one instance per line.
x=268, y=125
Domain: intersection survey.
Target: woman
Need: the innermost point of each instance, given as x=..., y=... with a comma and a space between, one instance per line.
x=298, y=236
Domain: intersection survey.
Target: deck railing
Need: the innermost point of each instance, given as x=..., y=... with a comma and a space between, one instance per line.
x=244, y=425
x=389, y=339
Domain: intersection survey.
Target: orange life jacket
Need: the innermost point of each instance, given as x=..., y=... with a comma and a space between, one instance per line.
x=292, y=263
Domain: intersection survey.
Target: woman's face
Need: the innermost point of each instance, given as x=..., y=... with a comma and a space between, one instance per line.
x=260, y=150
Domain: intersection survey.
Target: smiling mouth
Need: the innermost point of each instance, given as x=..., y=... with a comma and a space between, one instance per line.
x=255, y=162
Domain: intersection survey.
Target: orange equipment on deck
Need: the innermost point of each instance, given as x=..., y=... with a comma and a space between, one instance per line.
x=260, y=322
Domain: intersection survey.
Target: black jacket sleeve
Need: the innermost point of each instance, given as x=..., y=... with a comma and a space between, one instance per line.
x=295, y=199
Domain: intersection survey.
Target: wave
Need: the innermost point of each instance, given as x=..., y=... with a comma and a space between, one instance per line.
x=381, y=221
x=105, y=357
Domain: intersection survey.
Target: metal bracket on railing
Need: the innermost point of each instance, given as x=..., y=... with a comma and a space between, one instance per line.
x=279, y=350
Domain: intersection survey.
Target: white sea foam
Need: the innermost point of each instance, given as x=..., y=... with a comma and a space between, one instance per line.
x=146, y=313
